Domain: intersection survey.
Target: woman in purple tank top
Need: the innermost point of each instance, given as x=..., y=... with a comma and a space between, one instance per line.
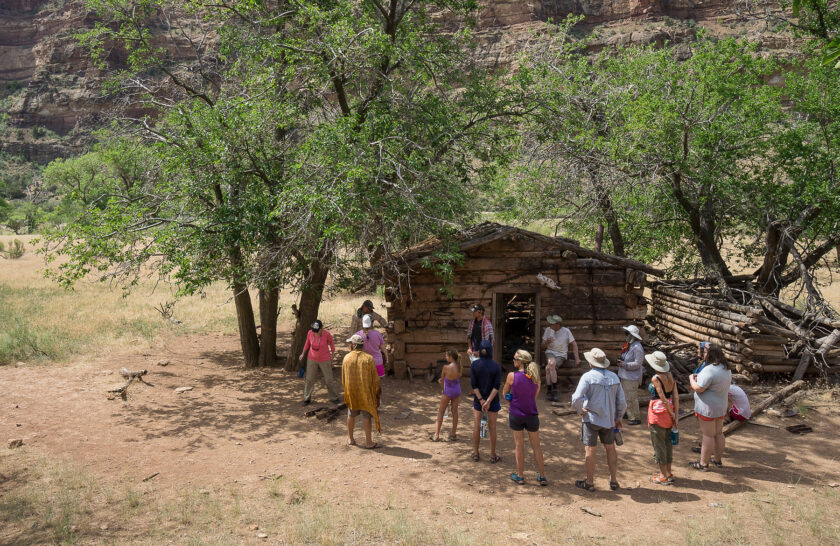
x=521, y=390
x=450, y=378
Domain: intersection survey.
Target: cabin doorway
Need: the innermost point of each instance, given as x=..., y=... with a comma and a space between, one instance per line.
x=516, y=324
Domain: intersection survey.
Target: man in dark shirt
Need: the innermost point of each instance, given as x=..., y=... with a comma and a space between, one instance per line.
x=480, y=329
x=486, y=379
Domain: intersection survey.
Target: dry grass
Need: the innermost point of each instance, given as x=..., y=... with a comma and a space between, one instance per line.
x=52, y=501
x=42, y=321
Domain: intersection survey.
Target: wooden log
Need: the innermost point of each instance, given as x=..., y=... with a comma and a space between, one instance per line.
x=783, y=319
x=769, y=401
x=752, y=340
x=809, y=318
x=829, y=342
x=741, y=309
x=705, y=311
x=731, y=351
x=710, y=332
x=778, y=368
x=721, y=325
x=765, y=326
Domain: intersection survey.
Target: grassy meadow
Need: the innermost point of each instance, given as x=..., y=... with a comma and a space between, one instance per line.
x=43, y=322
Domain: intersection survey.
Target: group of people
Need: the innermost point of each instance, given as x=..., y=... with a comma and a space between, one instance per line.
x=603, y=398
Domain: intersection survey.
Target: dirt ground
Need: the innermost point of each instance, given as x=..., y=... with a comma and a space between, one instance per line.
x=242, y=428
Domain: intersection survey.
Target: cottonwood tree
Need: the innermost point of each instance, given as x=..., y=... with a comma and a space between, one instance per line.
x=664, y=147
x=299, y=139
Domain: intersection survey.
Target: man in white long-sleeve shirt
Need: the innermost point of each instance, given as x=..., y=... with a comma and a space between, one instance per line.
x=630, y=372
x=600, y=399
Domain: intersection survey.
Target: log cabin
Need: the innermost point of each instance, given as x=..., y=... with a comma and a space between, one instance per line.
x=520, y=277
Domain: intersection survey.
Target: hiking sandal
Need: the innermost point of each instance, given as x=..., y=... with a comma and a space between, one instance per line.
x=517, y=478
x=541, y=480
x=718, y=464
x=614, y=486
x=697, y=465
x=495, y=458
x=659, y=479
x=583, y=484
x=475, y=457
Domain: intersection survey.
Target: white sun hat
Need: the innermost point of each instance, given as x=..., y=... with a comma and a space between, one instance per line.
x=597, y=358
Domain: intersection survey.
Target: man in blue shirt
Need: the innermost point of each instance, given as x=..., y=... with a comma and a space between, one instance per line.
x=600, y=399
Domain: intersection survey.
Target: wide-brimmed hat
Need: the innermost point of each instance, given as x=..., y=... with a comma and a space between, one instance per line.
x=356, y=339
x=597, y=358
x=658, y=361
x=367, y=321
x=554, y=319
x=633, y=330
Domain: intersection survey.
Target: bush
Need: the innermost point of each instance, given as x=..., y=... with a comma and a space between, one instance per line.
x=16, y=250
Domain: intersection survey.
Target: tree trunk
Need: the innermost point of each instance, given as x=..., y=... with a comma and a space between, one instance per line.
x=247, y=326
x=608, y=212
x=244, y=312
x=775, y=258
x=268, y=331
x=308, y=305
x=599, y=237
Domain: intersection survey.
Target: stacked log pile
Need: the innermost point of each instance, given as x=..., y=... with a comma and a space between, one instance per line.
x=761, y=335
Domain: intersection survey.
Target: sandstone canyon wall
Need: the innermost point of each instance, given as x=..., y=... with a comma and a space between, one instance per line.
x=50, y=89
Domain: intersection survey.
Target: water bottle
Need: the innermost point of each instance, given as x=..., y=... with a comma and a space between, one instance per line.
x=301, y=371
x=483, y=430
x=618, y=439
x=675, y=436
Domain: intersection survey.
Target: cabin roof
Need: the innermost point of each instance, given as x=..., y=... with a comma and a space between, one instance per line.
x=486, y=232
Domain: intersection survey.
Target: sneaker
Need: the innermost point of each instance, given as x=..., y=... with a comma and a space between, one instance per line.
x=634, y=422
x=305, y=402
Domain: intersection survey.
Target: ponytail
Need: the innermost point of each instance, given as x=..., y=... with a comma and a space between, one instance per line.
x=533, y=372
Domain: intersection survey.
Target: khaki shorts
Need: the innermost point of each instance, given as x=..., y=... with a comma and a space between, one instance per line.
x=355, y=413
x=589, y=435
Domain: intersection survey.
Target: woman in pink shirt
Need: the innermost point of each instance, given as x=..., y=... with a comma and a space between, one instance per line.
x=374, y=344
x=318, y=350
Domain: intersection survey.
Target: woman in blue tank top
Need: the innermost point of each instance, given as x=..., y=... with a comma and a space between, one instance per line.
x=521, y=390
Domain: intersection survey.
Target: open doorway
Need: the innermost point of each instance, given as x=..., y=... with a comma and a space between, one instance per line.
x=516, y=316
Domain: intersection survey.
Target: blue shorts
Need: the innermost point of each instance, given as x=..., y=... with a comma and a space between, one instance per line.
x=495, y=406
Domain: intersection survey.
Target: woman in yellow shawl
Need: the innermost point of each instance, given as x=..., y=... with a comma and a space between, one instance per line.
x=361, y=390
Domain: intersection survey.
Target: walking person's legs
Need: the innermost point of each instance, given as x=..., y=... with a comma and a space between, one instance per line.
x=476, y=436
x=329, y=381
x=707, y=429
x=454, y=410
x=590, y=464
x=351, y=424
x=519, y=442
x=720, y=441
x=444, y=401
x=309, y=379
x=534, y=438
x=366, y=422
x=491, y=424
x=612, y=462
x=631, y=393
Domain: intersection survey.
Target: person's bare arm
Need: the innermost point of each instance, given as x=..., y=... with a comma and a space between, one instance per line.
x=508, y=384
x=574, y=348
x=692, y=379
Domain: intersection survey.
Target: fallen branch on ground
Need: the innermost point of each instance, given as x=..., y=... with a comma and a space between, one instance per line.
x=769, y=401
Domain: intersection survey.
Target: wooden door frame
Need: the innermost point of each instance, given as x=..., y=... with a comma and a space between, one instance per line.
x=498, y=313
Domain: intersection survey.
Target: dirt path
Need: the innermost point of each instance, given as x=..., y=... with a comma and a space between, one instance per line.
x=240, y=426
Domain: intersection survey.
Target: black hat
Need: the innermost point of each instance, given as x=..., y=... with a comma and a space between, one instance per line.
x=368, y=304
x=477, y=307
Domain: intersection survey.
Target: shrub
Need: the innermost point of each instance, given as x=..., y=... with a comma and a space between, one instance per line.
x=16, y=250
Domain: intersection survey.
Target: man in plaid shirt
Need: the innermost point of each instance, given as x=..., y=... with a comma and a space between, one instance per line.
x=479, y=329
